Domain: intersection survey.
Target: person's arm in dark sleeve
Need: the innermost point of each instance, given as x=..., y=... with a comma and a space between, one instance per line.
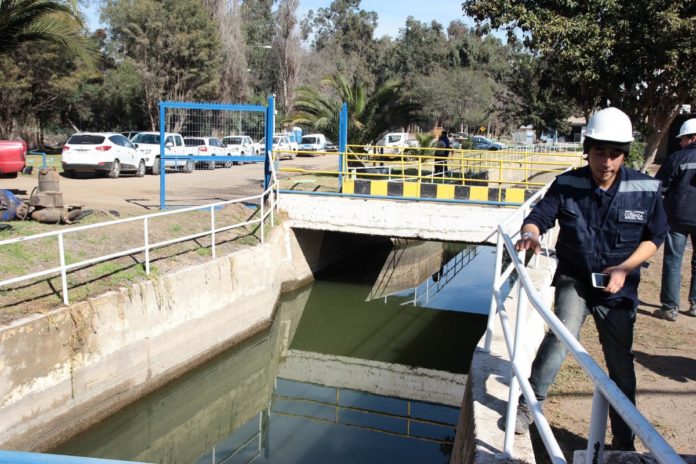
x=544, y=213
x=541, y=219
x=656, y=229
x=667, y=173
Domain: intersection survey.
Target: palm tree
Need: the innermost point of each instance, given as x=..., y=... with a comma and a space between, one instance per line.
x=23, y=21
x=368, y=116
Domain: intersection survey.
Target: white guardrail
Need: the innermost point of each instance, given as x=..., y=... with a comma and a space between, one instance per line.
x=271, y=192
x=605, y=390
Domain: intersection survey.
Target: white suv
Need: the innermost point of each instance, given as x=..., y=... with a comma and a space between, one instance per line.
x=148, y=143
x=208, y=146
x=101, y=152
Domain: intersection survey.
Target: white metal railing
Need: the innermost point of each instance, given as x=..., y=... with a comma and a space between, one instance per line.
x=271, y=192
x=606, y=392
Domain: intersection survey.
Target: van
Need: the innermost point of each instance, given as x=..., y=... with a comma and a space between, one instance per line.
x=12, y=158
x=313, y=142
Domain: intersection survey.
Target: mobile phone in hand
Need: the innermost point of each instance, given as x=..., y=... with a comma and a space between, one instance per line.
x=600, y=280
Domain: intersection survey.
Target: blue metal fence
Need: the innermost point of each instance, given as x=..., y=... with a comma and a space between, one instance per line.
x=267, y=113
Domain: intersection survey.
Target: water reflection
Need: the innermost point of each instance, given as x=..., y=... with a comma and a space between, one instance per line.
x=350, y=370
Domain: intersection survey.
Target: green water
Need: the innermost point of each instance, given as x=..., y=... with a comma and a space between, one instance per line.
x=332, y=379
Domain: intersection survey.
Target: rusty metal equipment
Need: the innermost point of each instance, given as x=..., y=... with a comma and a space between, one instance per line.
x=11, y=207
x=46, y=200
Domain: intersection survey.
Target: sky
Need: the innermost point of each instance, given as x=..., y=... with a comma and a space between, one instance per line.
x=391, y=14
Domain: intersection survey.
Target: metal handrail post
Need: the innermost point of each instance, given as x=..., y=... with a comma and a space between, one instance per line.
x=514, y=393
x=598, y=429
x=63, y=272
x=262, y=221
x=147, y=245
x=212, y=230
x=493, y=309
x=500, y=179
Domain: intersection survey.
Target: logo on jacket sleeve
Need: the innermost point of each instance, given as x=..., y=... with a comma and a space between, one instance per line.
x=633, y=215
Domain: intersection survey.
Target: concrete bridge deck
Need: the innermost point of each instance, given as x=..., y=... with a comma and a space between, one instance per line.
x=394, y=218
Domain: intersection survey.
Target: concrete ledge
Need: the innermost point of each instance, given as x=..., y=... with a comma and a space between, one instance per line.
x=63, y=371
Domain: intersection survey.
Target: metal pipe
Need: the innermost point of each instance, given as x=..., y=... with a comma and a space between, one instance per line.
x=63, y=274
x=598, y=429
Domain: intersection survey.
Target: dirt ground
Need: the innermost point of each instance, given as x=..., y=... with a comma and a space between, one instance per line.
x=130, y=195
x=665, y=358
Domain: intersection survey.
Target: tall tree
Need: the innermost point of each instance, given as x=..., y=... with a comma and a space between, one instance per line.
x=538, y=96
x=174, y=45
x=343, y=34
x=638, y=55
x=456, y=97
x=234, y=72
x=258, y=28
x=286, y=53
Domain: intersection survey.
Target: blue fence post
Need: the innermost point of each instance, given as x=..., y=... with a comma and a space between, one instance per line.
x=342, y=142
x=270, y=130
x=43, y=156
x=161, y=164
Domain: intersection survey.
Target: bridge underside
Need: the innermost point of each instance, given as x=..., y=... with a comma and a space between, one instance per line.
x=457, y=222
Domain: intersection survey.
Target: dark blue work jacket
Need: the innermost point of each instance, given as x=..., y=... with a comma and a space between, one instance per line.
x=678, y=176
x=588, y=243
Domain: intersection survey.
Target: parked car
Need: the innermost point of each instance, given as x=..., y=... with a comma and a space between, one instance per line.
x=281, y=147
x=478, y=142
x=148, y=143
x=12, y=158
x=395, y=142
x=293, y=139
x=239, y=145
x=101, y=153
x=313, y=142
x=208, y=146
x=130, y=134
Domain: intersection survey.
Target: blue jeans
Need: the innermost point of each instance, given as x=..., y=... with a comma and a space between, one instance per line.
x=615, y=327
x=675, y=243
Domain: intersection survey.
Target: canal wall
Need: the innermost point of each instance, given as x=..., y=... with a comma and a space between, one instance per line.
x=62, y=371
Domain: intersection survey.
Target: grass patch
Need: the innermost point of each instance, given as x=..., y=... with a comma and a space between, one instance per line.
x=41, y=294
x=204, y=251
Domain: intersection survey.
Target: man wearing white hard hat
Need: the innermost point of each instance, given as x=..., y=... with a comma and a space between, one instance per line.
x=678, y=176
x=611, y=220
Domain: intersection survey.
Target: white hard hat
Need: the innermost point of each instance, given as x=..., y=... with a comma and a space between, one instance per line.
x=610, y=125
x=688, y=128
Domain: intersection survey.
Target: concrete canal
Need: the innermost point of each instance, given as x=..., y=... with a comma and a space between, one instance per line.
x=367, y=364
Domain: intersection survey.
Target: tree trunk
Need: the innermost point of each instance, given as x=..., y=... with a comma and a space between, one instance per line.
x=660, y=127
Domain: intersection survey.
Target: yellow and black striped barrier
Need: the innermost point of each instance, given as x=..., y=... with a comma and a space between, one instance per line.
x=385, y=188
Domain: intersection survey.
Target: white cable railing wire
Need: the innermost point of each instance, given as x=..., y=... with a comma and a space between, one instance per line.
x=265, y=211
x=606, y=393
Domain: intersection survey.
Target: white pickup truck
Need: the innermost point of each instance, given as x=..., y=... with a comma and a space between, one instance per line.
x=395, y=142
x=148, y=143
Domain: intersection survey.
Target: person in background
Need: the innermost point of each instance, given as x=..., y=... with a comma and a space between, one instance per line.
x=443, y=145
x=611, y=220
x=678, y=176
